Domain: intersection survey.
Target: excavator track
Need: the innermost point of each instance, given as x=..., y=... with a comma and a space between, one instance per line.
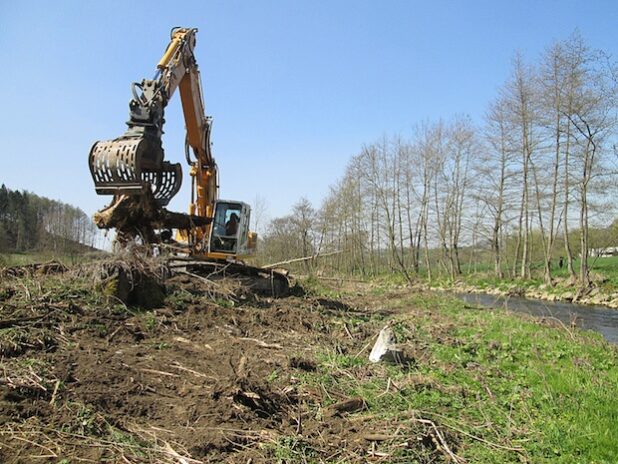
x=257, y=280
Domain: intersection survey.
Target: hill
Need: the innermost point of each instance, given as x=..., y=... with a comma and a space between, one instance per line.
x=34, y=225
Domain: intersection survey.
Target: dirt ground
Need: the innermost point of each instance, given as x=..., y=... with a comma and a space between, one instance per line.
x=85, y=379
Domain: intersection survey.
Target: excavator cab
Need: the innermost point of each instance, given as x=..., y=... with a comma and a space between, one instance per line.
x=229, y=231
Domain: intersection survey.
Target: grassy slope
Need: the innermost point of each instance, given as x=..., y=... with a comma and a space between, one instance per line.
x=506, y=388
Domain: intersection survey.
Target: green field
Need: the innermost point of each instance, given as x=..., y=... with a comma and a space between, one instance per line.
x=506, y=388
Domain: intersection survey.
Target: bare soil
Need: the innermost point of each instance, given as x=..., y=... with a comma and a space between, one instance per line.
x=84, y=379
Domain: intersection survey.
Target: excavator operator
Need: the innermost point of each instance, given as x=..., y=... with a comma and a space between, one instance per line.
x=231, y=226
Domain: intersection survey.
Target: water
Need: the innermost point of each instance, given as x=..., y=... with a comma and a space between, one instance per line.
x=598, y=318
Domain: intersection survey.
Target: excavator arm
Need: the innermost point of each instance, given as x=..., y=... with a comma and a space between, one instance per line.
x=133, y=165
x=198, y=125
x=179, y=69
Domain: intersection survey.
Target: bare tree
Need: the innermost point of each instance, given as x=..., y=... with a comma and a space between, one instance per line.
x=494, y=171
x=590, y=111
x=259, y=212
x=520, y=97
x=381, y=167
x=552, y=81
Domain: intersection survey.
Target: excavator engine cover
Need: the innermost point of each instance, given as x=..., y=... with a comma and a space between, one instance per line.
x=127, y=165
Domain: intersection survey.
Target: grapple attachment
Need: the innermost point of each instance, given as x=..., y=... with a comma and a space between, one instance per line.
x=128, y=165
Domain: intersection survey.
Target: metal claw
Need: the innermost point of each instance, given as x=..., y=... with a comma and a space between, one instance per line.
x=128, y=165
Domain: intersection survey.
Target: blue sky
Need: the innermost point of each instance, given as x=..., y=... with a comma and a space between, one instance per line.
x=295, y=87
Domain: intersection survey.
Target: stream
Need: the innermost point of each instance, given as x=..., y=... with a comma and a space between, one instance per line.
x=598, y=318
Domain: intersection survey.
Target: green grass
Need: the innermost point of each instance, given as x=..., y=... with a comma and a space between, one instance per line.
x=290, y=449
x=561, y=390
x=32, y=257
x=494, y=382
x=603, y=272
x=22, y=259
x=314, y=286
x=607, y=267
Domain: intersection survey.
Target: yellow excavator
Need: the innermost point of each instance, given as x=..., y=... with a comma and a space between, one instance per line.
x=132, y=169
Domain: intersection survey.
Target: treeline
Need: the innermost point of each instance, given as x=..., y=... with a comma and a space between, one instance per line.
x=30, y=222
x=528, y=184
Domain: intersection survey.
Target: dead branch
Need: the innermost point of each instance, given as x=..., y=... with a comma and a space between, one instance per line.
x=441, y=441
x=22, y=385
x=180, y=367
x=154, y=371
x=11, y=322
x=474, y=437
x=263, y=344
x=298, y=260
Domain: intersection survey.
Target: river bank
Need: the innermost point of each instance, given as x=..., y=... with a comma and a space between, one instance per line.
x=563, y=291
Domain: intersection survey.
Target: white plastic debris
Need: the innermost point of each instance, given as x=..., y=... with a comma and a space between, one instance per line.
x=384, y=348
